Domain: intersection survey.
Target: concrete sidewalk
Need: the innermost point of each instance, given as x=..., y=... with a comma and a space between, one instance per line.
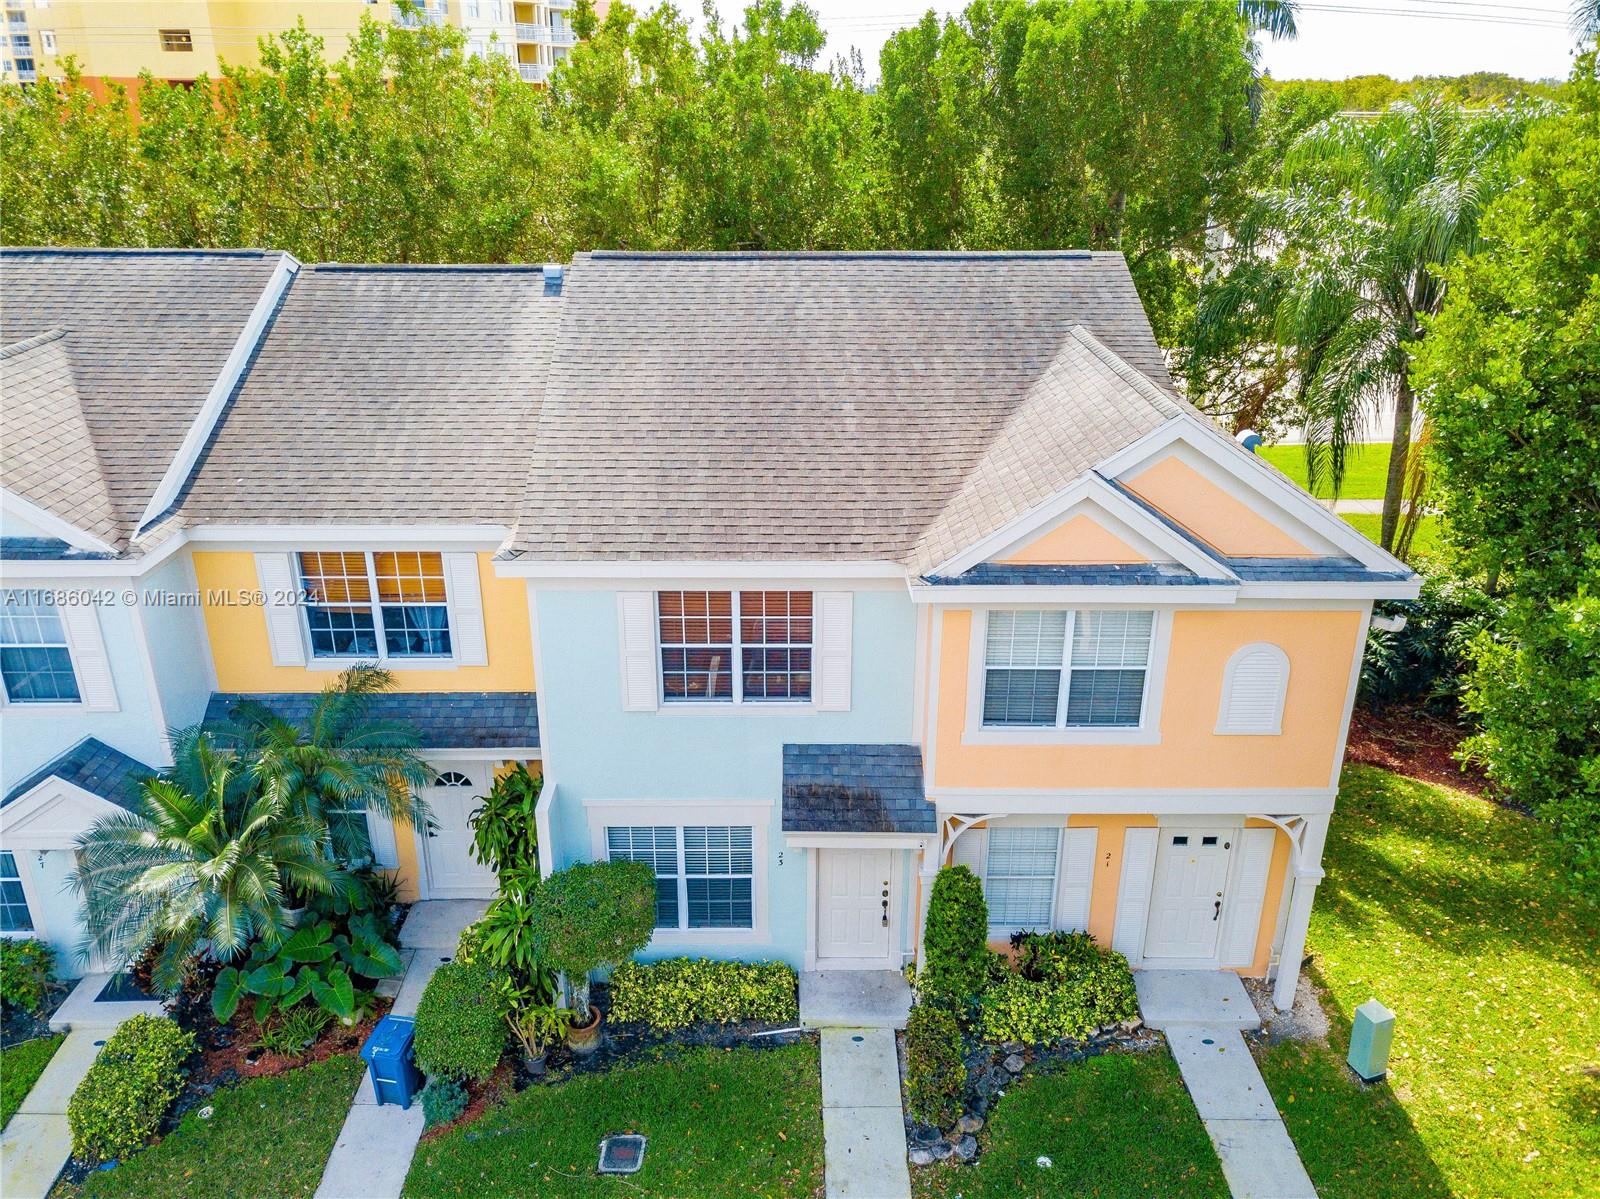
x=1202, y=1012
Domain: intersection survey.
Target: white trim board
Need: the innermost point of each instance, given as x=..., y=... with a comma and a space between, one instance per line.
x=52, y=815
x=26, y=510
x=665, y=570
x=1222, y=803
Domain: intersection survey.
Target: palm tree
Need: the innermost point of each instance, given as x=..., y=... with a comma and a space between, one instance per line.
x=206, y=863
x=1275, y=17
x=1339, y=261
x=341, y=759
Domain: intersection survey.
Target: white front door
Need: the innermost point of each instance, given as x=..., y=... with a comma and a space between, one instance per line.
x=453, y=873
x=1186, y=901
x=855, y=909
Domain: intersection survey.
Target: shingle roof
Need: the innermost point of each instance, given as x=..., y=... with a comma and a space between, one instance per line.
x=386, y=394
x=97, y=768
x=1143, y=574
x=827, y=406
x=443, y=720
x=48, y=456
x=147, y=333
x=1336, y=569
x=855, y=789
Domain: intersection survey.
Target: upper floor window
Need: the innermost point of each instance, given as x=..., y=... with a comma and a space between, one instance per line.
x=735, y=646
x=34, y=656
x=179, y=40
x=376, y=605
x=1066, y=669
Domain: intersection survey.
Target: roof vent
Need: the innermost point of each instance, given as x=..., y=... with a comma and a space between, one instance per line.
x=553, y=272
x=1249, y=438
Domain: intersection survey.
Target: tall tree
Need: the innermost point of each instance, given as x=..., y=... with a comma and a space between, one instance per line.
x=1340, y=261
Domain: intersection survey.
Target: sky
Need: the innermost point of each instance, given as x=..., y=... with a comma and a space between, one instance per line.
x=1338, y=38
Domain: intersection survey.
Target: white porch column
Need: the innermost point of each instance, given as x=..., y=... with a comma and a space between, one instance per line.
x=1307, y=874
x=928, y=870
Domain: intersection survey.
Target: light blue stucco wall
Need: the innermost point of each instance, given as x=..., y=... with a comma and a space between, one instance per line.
x=596, y=750
x=175, y=628
x=30, y=735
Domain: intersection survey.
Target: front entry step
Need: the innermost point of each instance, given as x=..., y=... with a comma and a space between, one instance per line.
x=854, y=999
x=1169, y=998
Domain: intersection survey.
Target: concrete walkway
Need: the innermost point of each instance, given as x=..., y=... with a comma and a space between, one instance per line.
x=37, y=1141
x=374, y=1150
x=863, y=1125
x=1202, y=1013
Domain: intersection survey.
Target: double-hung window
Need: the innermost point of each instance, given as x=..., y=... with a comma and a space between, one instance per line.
x=1020, y=876
x=1060, y=669
x=376, y=605
x=14, y=914
x=735, y=646
x=35, y=660
x=705, y=874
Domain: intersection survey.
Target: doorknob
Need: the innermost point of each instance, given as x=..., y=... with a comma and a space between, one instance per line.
x=1216, y=913
x=886, y=910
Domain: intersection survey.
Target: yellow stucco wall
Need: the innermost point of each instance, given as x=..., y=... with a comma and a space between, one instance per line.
x=1079, y=541
x=1320, y=646
x=1210, y=513
x=238, y=636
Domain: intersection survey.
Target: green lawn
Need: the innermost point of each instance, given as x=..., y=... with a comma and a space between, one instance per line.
x=1366, y=469
x=20, y=1067
x=720, y=1123
x=1119, y=1126
x=1443, y=906
x=268, y=1137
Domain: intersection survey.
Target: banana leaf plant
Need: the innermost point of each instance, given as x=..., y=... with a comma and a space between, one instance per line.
x=312, y=963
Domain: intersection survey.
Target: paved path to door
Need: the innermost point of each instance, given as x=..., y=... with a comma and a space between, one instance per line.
x=37, y=1141
x=373, y=1154
x=1202, y=1013
x=863, y=1126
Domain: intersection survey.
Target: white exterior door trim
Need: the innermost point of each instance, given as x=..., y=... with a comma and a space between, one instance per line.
x=893, y=956
x=1232, y=829
x=428, y=847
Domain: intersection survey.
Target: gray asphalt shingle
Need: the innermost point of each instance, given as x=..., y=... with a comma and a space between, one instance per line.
x=97, y=768
x=855, y=789
x=442, y=719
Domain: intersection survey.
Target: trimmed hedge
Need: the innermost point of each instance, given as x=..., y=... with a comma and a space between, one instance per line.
x=123, y=1098
x=460, y=1033
x=678, y=992
x=1066, y=987
x=956, y=956
x=26, y=965
x=935, y=1073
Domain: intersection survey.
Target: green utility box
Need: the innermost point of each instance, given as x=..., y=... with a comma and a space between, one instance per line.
x=1370, y=1038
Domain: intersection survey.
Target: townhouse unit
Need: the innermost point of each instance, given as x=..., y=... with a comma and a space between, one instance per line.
x=797, y=575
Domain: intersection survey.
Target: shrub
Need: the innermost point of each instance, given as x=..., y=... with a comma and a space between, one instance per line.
x=1427, y=661
x=443, y=1100
x=459, y=1032
x=593, y=915
x=678, y=992
x=25, y=969
x=123, y=1098
x=935, y=1073
x=505, y=834
x=1066, y=987
x=956, y=956
x=292, y=1033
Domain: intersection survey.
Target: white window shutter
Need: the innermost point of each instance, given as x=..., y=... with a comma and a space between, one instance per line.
x=96, y=686
x=1253, y=688
x=380, y=830
x=466, y=610
x=1249, y=896
x=636, y=630
x=1133, y=892
x=972, y=851
x=1077, y=878
x=276, y=574
x=835, y=614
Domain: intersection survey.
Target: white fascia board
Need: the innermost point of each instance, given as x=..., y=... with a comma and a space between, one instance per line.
x=1123, y=801
x=1093, y=488
x=483, y=537
x=1259, y=476
x=1394, y=589
x=26, y=510
x=534, y=568
x=498, y=753
x=120, y=568
x=177, y=472
x=34, y=807
x=1119, y=595
x=858, y=840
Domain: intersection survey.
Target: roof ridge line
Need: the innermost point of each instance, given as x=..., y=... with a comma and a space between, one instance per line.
x=31, y=343
x=1138, y=380
x=142, y=251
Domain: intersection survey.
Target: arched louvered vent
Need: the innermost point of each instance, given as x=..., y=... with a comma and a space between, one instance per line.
x=1253, y=688
x=453, y=778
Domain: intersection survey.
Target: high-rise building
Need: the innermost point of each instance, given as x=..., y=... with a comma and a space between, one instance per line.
x=180, y=40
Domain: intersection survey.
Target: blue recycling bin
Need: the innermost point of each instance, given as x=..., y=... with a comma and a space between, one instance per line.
x=395, y=1077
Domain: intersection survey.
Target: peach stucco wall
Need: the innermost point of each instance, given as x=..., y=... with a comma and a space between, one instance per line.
x=1320, y=646
x=1079, y=541
x=238, y=635
x=1210, y=513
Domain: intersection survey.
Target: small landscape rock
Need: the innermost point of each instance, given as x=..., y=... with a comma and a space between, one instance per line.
x=921, y=1157
x=966, y=1148
x=1014, y=1063
x=941, y=1151
x=1013, y=1047
x=969, y=1123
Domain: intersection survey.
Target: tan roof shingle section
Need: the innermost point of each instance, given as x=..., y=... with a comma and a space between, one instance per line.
x=385, y=395
x=48, y=456
x=820, y=406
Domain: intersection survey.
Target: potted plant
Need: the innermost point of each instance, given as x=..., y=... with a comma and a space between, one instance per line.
x=536, y=1022
x=590, y=917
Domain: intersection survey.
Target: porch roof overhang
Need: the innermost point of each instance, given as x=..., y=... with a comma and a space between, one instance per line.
x=504, y=721
x=855, y=790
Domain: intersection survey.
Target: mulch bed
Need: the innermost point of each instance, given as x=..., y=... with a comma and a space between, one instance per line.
x=230, y=1052
x=18, y=1026
x=1415, y=743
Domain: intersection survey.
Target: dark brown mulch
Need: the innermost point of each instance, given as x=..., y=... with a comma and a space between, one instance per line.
x=1415, y=743
x=17, y=1026
x=232, y=1051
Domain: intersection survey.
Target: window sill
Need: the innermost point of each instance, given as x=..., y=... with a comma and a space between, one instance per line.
x=727, y=936
x=338, y=664
x=725, y=708
x=44, y=705
x=1029, y=735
